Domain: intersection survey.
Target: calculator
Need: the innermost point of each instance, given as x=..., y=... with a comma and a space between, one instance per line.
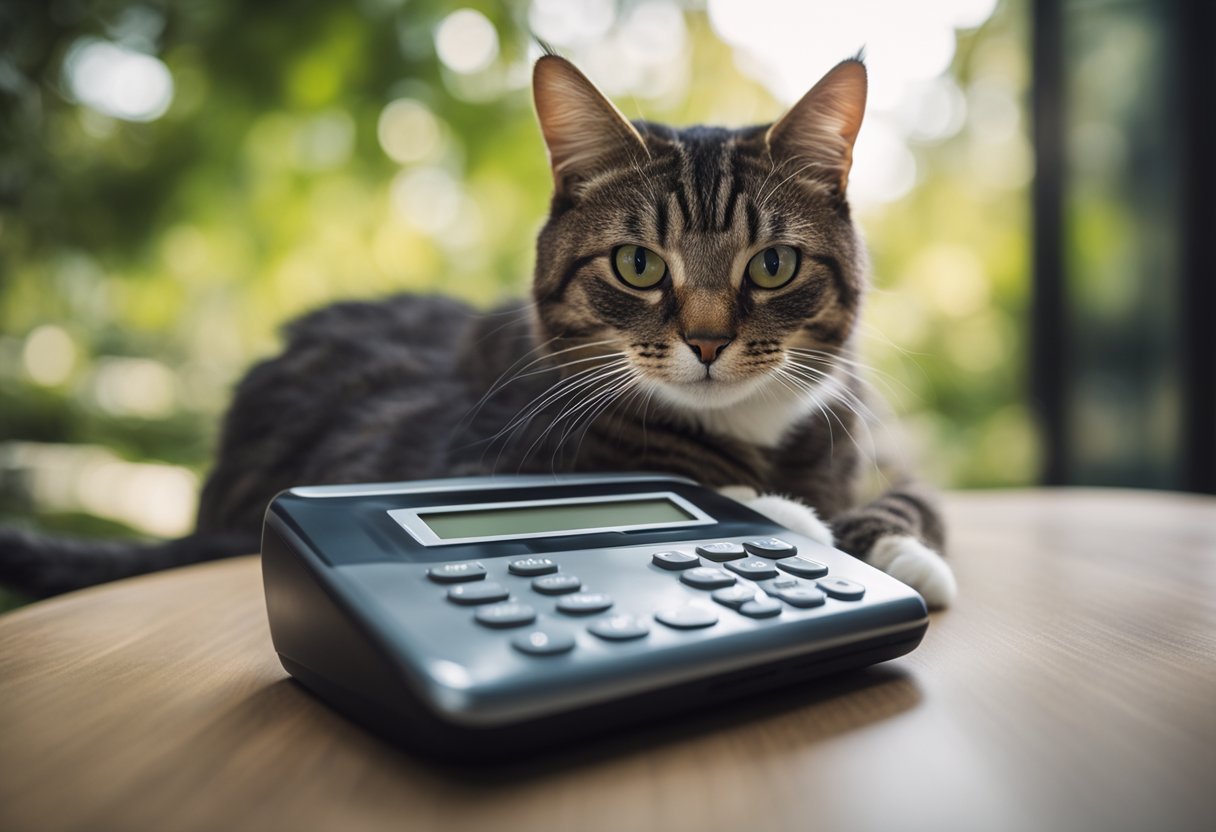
x=480, y=617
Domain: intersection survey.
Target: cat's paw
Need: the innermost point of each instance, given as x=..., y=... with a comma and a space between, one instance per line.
x=793, y=515
x=907, y=559
x=739, y=493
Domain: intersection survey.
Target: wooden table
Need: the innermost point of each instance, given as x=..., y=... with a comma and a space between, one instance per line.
x=1072, y=687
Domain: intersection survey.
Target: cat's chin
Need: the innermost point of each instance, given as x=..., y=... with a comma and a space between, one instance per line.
x=708, y=393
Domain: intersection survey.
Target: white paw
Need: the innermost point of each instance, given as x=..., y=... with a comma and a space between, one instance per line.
x=907, y=559
x=739, y=493
x=793, y=515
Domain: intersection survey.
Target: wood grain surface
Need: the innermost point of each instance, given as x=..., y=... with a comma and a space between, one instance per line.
x=1072, y=687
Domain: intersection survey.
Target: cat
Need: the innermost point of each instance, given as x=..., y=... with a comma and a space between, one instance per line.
x=694, y=310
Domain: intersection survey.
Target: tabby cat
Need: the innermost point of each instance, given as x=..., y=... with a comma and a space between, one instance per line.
x=694, y=311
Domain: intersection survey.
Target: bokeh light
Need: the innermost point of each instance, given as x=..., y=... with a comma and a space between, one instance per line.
x=908, y=48
x=118, y=81
x=49, y=355
x=466, y=41
x=408, y=131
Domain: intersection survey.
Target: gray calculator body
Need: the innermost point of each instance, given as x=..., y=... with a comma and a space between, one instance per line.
x=467, y=618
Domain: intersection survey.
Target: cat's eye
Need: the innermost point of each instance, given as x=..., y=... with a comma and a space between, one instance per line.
x=773, y=267
x=639, y=267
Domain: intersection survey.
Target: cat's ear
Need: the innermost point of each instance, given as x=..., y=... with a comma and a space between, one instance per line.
x=818, y=132
x=585, y=133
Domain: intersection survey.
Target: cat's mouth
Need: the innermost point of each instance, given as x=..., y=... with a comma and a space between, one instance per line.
x=711, y=391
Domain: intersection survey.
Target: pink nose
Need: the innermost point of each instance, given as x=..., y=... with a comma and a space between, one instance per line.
x=707, y=347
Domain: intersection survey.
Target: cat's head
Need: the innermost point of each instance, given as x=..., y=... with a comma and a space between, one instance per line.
x=711, y=264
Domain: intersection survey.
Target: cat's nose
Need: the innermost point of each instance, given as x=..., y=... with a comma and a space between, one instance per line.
x=707, y=346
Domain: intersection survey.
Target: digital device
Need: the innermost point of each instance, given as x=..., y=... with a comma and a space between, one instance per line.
x=478, y=617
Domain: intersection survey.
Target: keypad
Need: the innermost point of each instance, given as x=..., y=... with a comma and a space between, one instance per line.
x=842, y=588
x=619, y=627
x=482, y=592
x=707, y=577
x=532, y=566
x=790, y=582
x=557, y=584
x=753, y=568
x=687, y=618
x=452, y=573
x=721, y=551
x=675, y=560
x=770, y=547
x=505, y=615
x=803, y=567
x=543, y=642
x=584, y=603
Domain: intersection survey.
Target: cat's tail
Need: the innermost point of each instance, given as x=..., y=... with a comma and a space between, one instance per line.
x=39, y=565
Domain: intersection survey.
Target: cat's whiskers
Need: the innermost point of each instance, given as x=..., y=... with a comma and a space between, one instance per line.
x=611, y=377
x=563, y=388
x=832, y=359
x=833, y=367
x=820, y=377
x=558, y=367
x=499, y=384
x=572, y=408
x=588, y=404
x=814, y=380
x=800, y=392
x=568, y=387
x=631, y=381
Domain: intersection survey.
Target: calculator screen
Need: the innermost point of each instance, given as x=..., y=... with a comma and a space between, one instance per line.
x=514, y=520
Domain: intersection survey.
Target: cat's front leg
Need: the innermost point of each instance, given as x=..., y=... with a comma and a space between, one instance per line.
x=784, y=511
x=901, y=533
x=891, y=549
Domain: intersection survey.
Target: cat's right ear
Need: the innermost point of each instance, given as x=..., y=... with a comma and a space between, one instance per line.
x=818, y=132
x=584, y=132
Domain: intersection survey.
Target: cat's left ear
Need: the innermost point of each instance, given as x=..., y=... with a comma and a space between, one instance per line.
x=585, y=133
x=818, y=132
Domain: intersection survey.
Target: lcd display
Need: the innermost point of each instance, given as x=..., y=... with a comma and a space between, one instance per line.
x=556, y=517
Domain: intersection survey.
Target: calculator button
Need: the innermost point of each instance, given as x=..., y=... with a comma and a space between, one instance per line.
x=557, y=584
x=532, y=566
x=778, y=584
x=803, y=567
x=761, y=608
x=753, y=568
x=543, y=642
x=770, y=547
x=801, y=597
x=675, y=560
x=687, y=618
x=619, y=627
x=584, y=603
x=842, y=588
x=721, y=551
x=482, y=592
x=734, y=596
x=451, y=573
x=506, y=615
x=707, y=577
